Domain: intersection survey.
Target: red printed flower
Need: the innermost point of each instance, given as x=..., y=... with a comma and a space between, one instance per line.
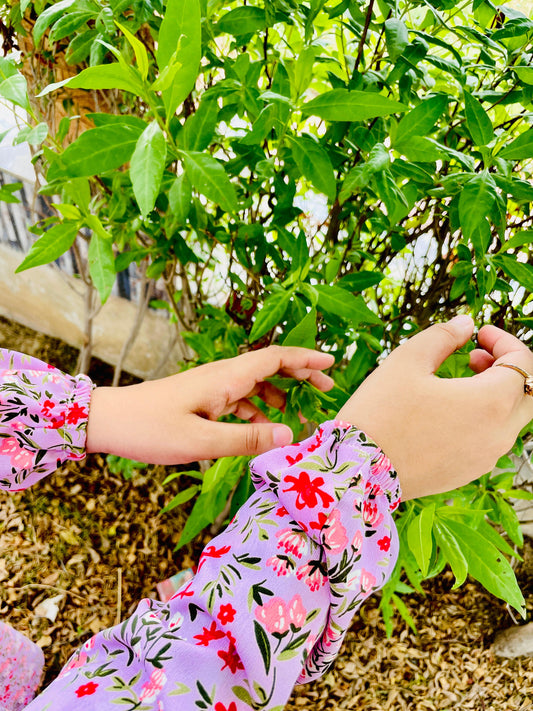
x=76, y=413
x=282, y=511
x=226, y=614
x=47, y=408
x=320, y=522
x=208, y=635
x=186, y=592
x=317, y=443
x=212, y=552
x=294, y=460
x=86, y=689
x=58, y=422
x=307, y=490
x=231, y=659
x=384, y=543
x=221, y=707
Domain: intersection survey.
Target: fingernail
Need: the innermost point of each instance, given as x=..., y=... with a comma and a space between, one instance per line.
x=281, y=435
x=464, y=322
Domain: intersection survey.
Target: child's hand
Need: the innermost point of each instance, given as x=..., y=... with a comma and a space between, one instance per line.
x=173, y=420
x=442, y=433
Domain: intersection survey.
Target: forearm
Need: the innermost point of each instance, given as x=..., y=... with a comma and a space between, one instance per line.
x=273, y=595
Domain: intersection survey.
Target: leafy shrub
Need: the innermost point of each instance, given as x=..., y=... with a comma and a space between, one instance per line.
x=321, y=173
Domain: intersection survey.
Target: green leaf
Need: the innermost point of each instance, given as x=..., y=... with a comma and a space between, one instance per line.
x=102, y=265
x=451, y=549
x=314, y=163
x=48, y=17
x=263, y=644
x=200, y=127
x=104, y=76
x=421, y=120
x=478, y=123
x=243, y=21
x=396, y=37
x=344, y=105
x=15, y=89
x=141, y=55
x=272, y=312
x=147, y=166
x=80, y=47
x=359, y=281
x=475, y=202
x=420, y=149
x=342, y=303
x=209, y=177
x=34, y=136
x=404, y=612
x=50, y=246
x=420, y=537
x=181, y=498
x=488, y=565
x=96, y=151
x=180, y=198
x=520, y=271
x=304, y=333
x=521, y=148
x=525, y=74
x=180, y=42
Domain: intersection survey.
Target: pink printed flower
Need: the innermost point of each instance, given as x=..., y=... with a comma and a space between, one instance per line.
x=373, y=490
x=382, y=465
x=317, y=441
x=314, y=578
x=357, y=541
x=307, y=490
x=86, y=689
x=281, y=565
x=89, y=644
x=384, y=543
x=175, y=621
x=362, y=580
x=335, y=537
x=153, y=686
x=226, y=614
x=292, y=542
x=274, y=615
x=18, y=426
x=297, y=612
x=20, y=458
x=75, y=663
x=371, y=515
x=330, y=635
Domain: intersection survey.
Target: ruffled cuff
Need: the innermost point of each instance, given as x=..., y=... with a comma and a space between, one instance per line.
x=340, y=489
x=43, y=419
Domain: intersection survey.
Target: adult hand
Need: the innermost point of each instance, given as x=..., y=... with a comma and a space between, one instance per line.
x=442, y=433
x=173, y=420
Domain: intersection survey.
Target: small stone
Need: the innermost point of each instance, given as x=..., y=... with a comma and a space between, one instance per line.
x=514, y=642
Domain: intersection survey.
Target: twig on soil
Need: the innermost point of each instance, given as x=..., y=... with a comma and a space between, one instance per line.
x=50, y=587
x=119, y=596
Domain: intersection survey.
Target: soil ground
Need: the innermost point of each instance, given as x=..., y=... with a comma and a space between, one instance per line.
x=101, y=544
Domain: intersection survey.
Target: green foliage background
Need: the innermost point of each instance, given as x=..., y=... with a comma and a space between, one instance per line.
x=319, y=173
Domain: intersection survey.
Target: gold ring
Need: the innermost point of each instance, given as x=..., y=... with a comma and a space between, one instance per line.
x=528, y=379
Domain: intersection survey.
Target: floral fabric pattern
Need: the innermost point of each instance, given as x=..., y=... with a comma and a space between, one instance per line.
x=272, y=598
x=43, y=419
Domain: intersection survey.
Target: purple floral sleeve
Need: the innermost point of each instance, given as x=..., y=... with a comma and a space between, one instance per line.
x=272, y=598
x=43, y=419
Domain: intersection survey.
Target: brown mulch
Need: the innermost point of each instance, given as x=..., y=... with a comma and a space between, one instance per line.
x=100, y=542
